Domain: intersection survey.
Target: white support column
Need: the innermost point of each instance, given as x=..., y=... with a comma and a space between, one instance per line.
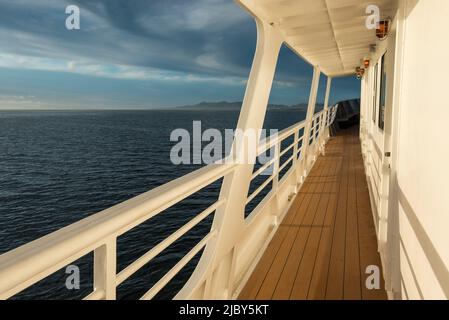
x=216, y=262
x=309, y=117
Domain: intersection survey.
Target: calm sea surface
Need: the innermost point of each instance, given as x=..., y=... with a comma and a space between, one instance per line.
x=57, y=167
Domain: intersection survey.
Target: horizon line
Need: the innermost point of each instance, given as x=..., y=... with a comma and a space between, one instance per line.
x=185, y=107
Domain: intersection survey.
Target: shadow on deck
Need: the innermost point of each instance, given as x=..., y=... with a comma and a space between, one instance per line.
x=327, y=239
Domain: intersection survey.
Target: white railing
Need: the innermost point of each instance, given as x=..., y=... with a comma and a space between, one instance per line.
x=32, y=262
x=320, y=121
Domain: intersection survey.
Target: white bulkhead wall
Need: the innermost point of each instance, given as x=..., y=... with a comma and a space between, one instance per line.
x=423, y=151
x=416, y=253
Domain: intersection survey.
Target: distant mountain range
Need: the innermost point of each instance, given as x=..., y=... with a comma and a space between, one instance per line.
x=225, y=105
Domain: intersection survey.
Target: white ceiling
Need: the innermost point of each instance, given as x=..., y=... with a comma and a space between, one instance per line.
x=330, y=34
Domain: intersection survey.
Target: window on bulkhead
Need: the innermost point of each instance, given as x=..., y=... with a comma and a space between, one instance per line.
x=383, y=87
x=375, y=92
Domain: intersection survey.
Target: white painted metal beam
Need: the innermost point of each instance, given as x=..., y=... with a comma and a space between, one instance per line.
x=229, y=220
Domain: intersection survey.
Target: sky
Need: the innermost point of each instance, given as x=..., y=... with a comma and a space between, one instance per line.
x=138, y=54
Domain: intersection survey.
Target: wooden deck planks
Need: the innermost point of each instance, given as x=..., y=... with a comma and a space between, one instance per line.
x=302, y=215
x=306, y=268
x=335, y=280
x=327, y=239
x=256, y=279
x=287, y=280
x=352, y=283
x=318, y=282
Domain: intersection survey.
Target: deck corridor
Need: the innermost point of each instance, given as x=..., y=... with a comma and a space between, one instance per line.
x=327, y=239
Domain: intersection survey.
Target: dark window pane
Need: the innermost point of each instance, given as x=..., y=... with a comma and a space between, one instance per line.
x=383, y=86
x=375, y=93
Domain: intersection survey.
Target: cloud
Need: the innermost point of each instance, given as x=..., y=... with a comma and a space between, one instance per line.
x=110, y=71
x=193, y=37
x=135, y=51
x=19, y=101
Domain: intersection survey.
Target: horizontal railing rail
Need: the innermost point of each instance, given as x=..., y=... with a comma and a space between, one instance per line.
x=276, y=142
x=34, y=261
x=26, y=265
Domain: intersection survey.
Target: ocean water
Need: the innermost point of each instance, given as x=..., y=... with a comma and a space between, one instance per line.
x=57, y=167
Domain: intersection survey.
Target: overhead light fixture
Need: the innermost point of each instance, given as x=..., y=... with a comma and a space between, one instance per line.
x=366, y=62
x=359, y=72
x=383, y=29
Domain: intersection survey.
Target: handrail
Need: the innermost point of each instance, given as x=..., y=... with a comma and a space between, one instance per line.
x=282, y=167
x=271, y=141
x=30, y=263
x=34, y=261
x=259, y=189
x=173, y=271
x=276, y=140
x=263, y=168
x=140, y=262
x=283, y=152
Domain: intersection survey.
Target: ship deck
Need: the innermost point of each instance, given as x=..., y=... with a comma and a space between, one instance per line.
x=327, y=239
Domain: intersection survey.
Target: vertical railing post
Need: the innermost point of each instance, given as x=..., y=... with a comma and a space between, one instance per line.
x=325, y=122
x=229, y=220
x=277, y=152
x=295, y=159
x=327, y=96
x=309, y=117
x=313, y=131
x=105, y=262
x=275, y=183
x=322, y=123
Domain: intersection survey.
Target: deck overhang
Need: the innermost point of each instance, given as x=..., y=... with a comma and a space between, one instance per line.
x=330, y=34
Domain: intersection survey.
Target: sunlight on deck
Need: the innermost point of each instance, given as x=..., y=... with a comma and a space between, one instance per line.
x=327, y=239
